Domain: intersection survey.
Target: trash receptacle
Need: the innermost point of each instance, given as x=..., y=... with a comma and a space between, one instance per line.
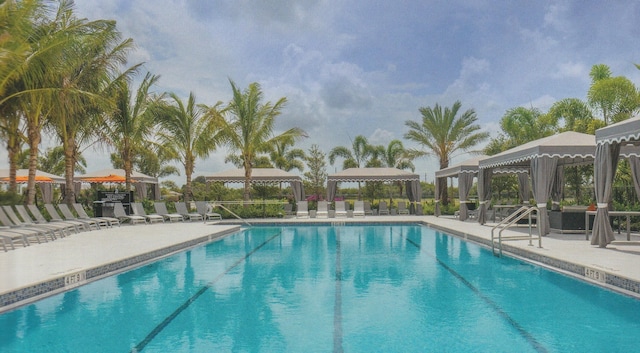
x=97, y=208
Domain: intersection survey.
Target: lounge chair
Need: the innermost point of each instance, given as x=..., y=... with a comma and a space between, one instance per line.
x=367, y=208
x=358, y=209
x=323, y=209
x=61, y=228
x=55, y=217
x=138, y=209
x=118, y=211
x=203, y=208
x=341, y=210
x=382, y=208
x=69, y=216
x=402, y=208
x=181, y=208
x=82, y=214
x=67, y=227
x=26, y=232
x=288, y=209
x=161, y=209
x=302, y=209
x=11, y=238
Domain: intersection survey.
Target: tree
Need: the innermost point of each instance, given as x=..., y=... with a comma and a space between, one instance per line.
x=287, y=159
x=395, y=156
x=444, y=132
x=317, y=175
x=131, y=124
x=616, y=98
x=361, y=154
x=189, y=131
x=575, y=114
x=248, y=129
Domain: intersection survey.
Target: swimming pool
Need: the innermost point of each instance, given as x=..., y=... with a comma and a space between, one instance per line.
x=389, y=288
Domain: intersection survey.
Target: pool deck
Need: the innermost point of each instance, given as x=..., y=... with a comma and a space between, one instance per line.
x=31, y=273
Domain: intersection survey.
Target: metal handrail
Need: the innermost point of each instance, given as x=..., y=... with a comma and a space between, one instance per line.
x=519, y=214
x=216, y=204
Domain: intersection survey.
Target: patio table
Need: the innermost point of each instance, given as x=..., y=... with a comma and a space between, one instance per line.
x=626, y=214
x=497, y=207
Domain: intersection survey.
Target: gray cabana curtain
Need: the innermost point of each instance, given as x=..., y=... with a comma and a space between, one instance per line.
x=604, y=170
x=558, y=188
x=77, y=187
x=437, y=197
x=414, y=194
x=156, y=192
x=331, y=190
x=523, y=187
x=484, y=193
x=634, y=163
x=465, y=181
x=47, y=192
x=543, y=172
x=298, y=190
x=141, y=190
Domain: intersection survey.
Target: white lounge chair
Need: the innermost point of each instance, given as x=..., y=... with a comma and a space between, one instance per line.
x=82, y=214
x=402, y=208
x=25, y=232
x=383, y=209
x=302, y=209
x=64, y=228
x=55, y=217
x=161, y=209
x=323, y=209
x=69, y=216
x=138, y=209
x=367, y=208
x=181, y=208
x=341, y=210
x=358, y=209
x=15, y=222
x=118, y=211
x=207, y=214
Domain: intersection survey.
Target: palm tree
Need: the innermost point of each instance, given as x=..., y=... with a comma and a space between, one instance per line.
x=395, y=156
x=361, y=154
x=287, y=159
x=130, y=126
x=189, y=131
x=84, y=82
x=443, y=133
x=249, y=127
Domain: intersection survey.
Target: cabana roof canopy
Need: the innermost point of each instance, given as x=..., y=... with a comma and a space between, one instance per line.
x=373, y=174
x=23, y=174
x=112, y=175
x=569, y=147
x=468, y=166
x=258, y=175
x=625, y=131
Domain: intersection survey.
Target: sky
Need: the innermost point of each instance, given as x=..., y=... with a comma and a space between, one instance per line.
x=365, y=67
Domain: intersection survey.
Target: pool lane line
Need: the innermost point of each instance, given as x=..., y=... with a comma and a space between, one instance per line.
x=337, y=304
x=140, y=346
x=523, y=332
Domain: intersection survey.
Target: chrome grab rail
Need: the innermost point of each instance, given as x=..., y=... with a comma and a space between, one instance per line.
x=520, y=213
x=217, y=204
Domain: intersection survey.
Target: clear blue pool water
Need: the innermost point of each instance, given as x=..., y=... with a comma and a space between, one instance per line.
x=392, y=288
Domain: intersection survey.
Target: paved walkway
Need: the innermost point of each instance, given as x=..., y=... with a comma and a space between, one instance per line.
x=36, y=271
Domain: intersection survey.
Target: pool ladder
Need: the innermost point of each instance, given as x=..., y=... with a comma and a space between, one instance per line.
x=522, y=212
x=215, y=204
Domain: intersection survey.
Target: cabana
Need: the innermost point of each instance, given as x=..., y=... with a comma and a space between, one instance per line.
x=44, y=181
x=139, y=181
x=465, y=172
x=610, y=141
x=414, y=190
x=261, y=176
x=545, y=159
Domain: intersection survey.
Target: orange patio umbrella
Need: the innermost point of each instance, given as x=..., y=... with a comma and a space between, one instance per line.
x=111, y=178
x=25, y=178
